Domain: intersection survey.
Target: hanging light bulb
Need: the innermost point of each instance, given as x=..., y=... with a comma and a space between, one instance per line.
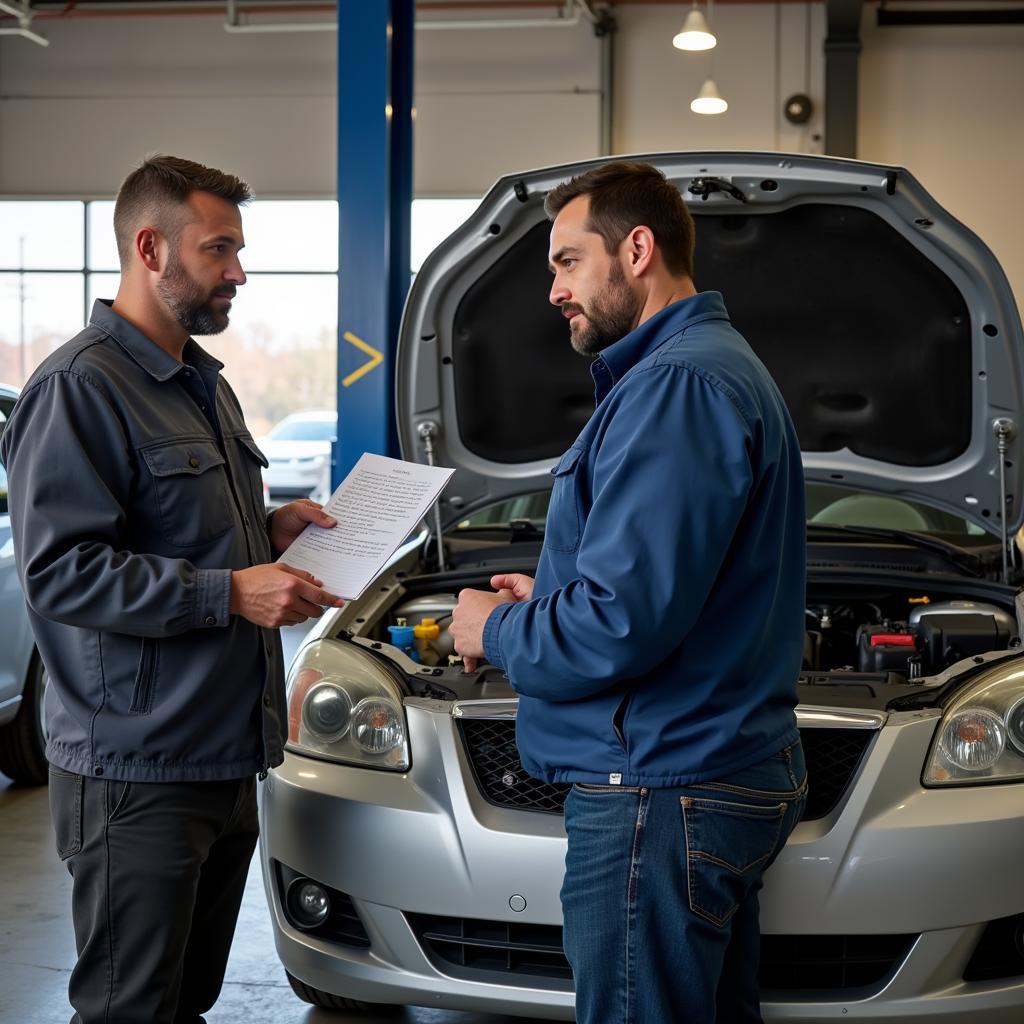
x=708, y=100
x=695, y=34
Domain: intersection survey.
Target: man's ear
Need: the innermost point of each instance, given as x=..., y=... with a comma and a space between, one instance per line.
x=148, y=243
x=639, y=245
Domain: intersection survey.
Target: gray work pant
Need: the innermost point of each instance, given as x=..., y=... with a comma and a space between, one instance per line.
x=159, y=870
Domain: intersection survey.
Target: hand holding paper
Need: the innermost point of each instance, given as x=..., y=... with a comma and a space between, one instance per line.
x=376, y=507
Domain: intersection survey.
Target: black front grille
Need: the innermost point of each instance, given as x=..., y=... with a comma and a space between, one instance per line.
x=833, y=756
x=506, y=947
x=801, y=963
x=792, y=963
x=491, y=744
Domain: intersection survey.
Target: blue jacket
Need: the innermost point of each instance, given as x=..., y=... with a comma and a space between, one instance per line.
x=665, y=634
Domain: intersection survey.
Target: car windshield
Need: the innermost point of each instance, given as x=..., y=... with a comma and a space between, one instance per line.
x=304, y=430
x=827, y=505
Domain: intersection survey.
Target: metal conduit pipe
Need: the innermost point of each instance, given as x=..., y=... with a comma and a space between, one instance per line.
x=569, y=14
x=24, y=13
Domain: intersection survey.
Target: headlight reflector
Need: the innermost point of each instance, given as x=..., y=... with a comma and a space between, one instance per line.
x=376, y=726
x=973, y=739
x=327, y=712
x=344, y=705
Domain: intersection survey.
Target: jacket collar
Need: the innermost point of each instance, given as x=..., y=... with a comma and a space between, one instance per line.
x=151, y=357
x=616, y=360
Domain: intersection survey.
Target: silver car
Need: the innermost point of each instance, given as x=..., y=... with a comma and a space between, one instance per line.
x=298, y=449
x=22, y=676
x=407, y=856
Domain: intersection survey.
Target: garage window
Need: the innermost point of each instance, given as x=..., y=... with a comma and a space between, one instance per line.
x=57, y=257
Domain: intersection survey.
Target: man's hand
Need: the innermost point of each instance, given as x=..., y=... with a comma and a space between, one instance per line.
x=520, y=587
x=290, y=520
x=474, y=608
x=278, y=595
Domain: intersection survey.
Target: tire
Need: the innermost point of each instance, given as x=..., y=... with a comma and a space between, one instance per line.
x=326, y=1001
x=23, y=740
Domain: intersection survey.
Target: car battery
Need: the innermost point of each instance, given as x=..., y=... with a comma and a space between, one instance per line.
x=886, y=649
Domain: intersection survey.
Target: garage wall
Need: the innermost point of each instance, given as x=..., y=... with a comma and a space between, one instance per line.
x=74, y=117
x=765, y=53
x=948, y=103
x=945, y=102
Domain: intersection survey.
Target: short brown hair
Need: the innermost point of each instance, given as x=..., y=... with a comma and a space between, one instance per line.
x=624, y=194
x=157, y=190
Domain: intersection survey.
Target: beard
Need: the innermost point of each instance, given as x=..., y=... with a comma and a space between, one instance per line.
x=611, y=316
x=189, y=303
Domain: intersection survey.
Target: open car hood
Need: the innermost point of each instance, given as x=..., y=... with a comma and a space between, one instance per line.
x=889, y=326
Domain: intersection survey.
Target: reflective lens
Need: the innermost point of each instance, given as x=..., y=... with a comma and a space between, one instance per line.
x=973, y=739
x=327, y=712
x=1015, y=725
x=308, y=903
x=377, y=726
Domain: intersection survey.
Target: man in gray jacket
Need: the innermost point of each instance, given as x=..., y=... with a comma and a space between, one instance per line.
x=146, y=559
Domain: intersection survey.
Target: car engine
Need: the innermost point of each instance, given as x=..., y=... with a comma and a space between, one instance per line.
x=900, y=637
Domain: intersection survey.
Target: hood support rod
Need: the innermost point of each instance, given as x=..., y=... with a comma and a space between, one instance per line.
x=428, y=431
x=1004, y=430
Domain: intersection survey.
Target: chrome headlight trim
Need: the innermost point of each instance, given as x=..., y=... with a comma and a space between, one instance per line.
x=337, y=666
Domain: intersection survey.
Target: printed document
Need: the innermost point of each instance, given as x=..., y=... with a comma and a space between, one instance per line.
x=377, y=506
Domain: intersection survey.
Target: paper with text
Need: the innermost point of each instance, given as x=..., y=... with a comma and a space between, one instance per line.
x=377, y=506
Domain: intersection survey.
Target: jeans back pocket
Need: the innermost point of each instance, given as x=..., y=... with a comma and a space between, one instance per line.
x=728, y=846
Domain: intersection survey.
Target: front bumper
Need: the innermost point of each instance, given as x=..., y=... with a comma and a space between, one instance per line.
x=892, y=858
x=293, y=477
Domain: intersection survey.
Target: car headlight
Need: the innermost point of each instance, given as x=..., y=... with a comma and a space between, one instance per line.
x=981, y=736
x=344, y=706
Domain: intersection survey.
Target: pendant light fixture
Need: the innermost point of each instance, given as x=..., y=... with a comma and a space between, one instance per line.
x=696, y=33
x=709, y=100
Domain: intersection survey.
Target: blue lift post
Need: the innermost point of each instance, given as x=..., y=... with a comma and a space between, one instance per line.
x=375, y=74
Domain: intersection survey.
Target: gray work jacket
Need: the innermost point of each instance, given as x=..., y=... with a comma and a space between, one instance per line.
x=131, y=501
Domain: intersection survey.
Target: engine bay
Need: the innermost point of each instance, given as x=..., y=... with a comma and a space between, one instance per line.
x=859, y=633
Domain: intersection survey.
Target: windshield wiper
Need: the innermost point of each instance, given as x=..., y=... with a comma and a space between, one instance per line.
x=517, y=529
x=961, y=559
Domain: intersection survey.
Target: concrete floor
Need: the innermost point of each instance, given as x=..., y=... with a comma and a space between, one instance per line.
x=37, y=944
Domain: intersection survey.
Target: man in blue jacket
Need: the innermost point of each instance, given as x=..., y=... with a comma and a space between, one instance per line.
x=657, y=653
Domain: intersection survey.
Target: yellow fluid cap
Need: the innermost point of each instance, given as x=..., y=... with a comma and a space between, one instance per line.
x=919, y=600
x=428, y=629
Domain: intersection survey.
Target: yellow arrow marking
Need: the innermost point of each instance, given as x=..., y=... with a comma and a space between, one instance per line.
x=376, y=358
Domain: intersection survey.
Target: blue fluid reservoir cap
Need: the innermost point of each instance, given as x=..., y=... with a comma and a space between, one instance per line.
x=402, y=636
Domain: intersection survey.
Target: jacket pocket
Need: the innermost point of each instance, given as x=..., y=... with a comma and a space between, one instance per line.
x=66, y=811
x=619, y=720
x=728, y=846
x=191, y=491
x=564, y=522
x=145, y=677
x=253, y=461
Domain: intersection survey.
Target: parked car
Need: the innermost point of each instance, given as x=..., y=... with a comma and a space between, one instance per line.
x=22, y=676
x=299, y=452
x=407, y=856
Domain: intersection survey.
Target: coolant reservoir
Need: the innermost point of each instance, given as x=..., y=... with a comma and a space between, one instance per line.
x=437, y=607
x=426, y=633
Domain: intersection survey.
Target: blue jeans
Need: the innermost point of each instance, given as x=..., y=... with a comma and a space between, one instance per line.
x=660, y=898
